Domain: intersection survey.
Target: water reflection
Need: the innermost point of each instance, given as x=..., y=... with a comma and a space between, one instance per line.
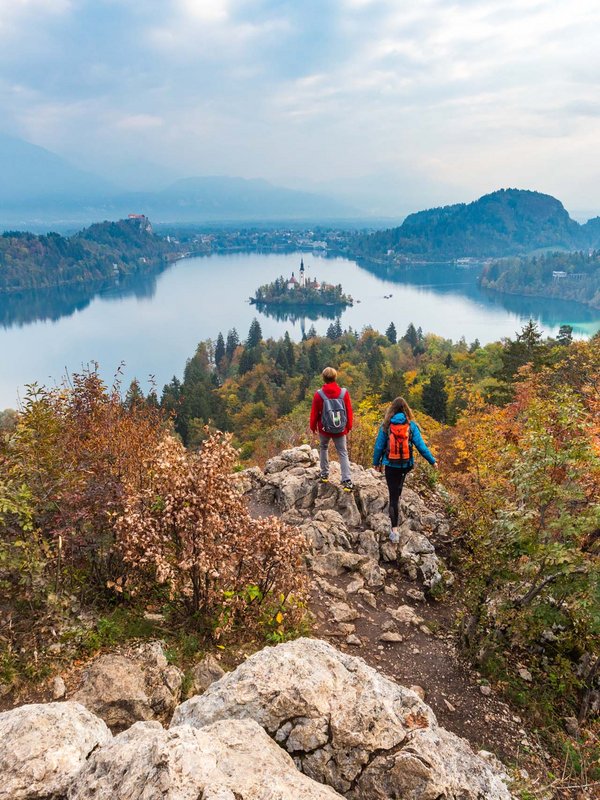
x=294, y=314
x=49, y=305
x=448, y=279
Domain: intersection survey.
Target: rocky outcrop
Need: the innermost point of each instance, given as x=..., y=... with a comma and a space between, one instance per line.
x=124, y=689
x=357, y=522
x=44, y=746
x=202, y=674
x=229, y=760
x=346, y=725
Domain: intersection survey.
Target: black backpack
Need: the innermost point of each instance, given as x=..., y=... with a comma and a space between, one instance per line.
x=334, y=416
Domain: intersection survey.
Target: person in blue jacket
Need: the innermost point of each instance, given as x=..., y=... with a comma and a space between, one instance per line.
x=398, y=413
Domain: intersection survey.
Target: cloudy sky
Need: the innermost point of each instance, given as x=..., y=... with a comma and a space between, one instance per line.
x=397, y=104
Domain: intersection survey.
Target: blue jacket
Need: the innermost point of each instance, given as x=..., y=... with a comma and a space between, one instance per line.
x=381, y=444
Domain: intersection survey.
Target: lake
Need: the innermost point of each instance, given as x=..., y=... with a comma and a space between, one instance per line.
x=153, y=323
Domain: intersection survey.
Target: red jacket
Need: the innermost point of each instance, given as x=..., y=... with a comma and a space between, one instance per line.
x=332, y=390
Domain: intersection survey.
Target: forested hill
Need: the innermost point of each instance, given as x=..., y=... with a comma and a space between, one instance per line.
x=570, y=276
x=505, y=222
x=104, y=250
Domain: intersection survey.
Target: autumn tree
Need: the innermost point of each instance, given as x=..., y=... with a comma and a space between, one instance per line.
x=188, y=530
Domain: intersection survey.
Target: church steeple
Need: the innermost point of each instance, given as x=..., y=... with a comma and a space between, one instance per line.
x=301, y=272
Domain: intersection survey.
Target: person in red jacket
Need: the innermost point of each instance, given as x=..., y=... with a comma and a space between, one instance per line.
x=332, y=391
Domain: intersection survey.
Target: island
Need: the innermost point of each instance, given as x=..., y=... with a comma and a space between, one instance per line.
x=301, y=292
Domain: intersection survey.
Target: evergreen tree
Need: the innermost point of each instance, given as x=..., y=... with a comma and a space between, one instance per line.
x=435, y=397
x=449, y=361
x=527, y=348
x=289, y=350
x=260, y=394
x=303, y=387
x=391, y=333
x=281, y=358
x=312, y=333
x=171, y=396
x=375, y=366
x=313, y=358
x=565, y=334
x=303, y=363
x=254, y=334
x=394, y=386
x=219, y=350
x=134, y=395
x=247, y=360
x=233, y=341
x=411, y=336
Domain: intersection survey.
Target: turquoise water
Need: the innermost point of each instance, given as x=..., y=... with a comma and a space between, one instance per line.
x=153, y=323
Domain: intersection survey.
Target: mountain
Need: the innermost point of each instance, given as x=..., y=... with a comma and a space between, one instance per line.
x=34, y=178
x=38, y=186
x=505, y=222
x=591, y=232
x=223, y=198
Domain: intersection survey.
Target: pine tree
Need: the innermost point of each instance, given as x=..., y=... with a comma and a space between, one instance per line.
x=435, y=397
x=233, y=341
x=254, y=334
x=394, y=386
x=246, y=361
x=134, y=395
x=411, y=336
x=565, y=334
x=313, y=357
x=391, y=333
x=375, y=370
x=289, y=351
x=260, y=394
x=219, y=350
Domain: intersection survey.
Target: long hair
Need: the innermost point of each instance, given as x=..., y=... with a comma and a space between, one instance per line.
x=395, y=407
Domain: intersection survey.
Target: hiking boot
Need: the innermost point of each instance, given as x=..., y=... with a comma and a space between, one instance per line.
x=324, y=478
x=394, y=537
x=347, y=486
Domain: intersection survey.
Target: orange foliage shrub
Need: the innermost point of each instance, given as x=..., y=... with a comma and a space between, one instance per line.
x=62, y=473
x=187, y=529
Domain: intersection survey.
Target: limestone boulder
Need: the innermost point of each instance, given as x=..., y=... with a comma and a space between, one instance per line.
x=44, y=746
x=228, y=760
x=336, y=562
x=347, y=726
x=326, y=530
x=123, y=689
x=202, y=674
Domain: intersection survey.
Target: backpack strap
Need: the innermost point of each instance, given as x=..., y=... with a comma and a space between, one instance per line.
x=342, y=394
x=322, y=395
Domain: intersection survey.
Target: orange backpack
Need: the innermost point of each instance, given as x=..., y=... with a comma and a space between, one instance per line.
x=400, y=444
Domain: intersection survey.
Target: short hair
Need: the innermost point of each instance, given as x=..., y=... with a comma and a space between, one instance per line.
x=329, y=374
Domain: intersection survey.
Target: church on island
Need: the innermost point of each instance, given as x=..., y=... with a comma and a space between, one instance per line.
x=300, y=291
x=301, y=281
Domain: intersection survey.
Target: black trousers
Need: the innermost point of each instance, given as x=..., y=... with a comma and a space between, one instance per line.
x=395, y=478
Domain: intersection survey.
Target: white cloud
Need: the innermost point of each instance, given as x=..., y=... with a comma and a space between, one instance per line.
x=140, y=122
x=16, y=13
x=465, y=90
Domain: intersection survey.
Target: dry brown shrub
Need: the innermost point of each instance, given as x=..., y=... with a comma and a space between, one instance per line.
x=187, y=529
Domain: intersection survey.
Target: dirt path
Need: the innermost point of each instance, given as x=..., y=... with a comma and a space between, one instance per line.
x=427, y=657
